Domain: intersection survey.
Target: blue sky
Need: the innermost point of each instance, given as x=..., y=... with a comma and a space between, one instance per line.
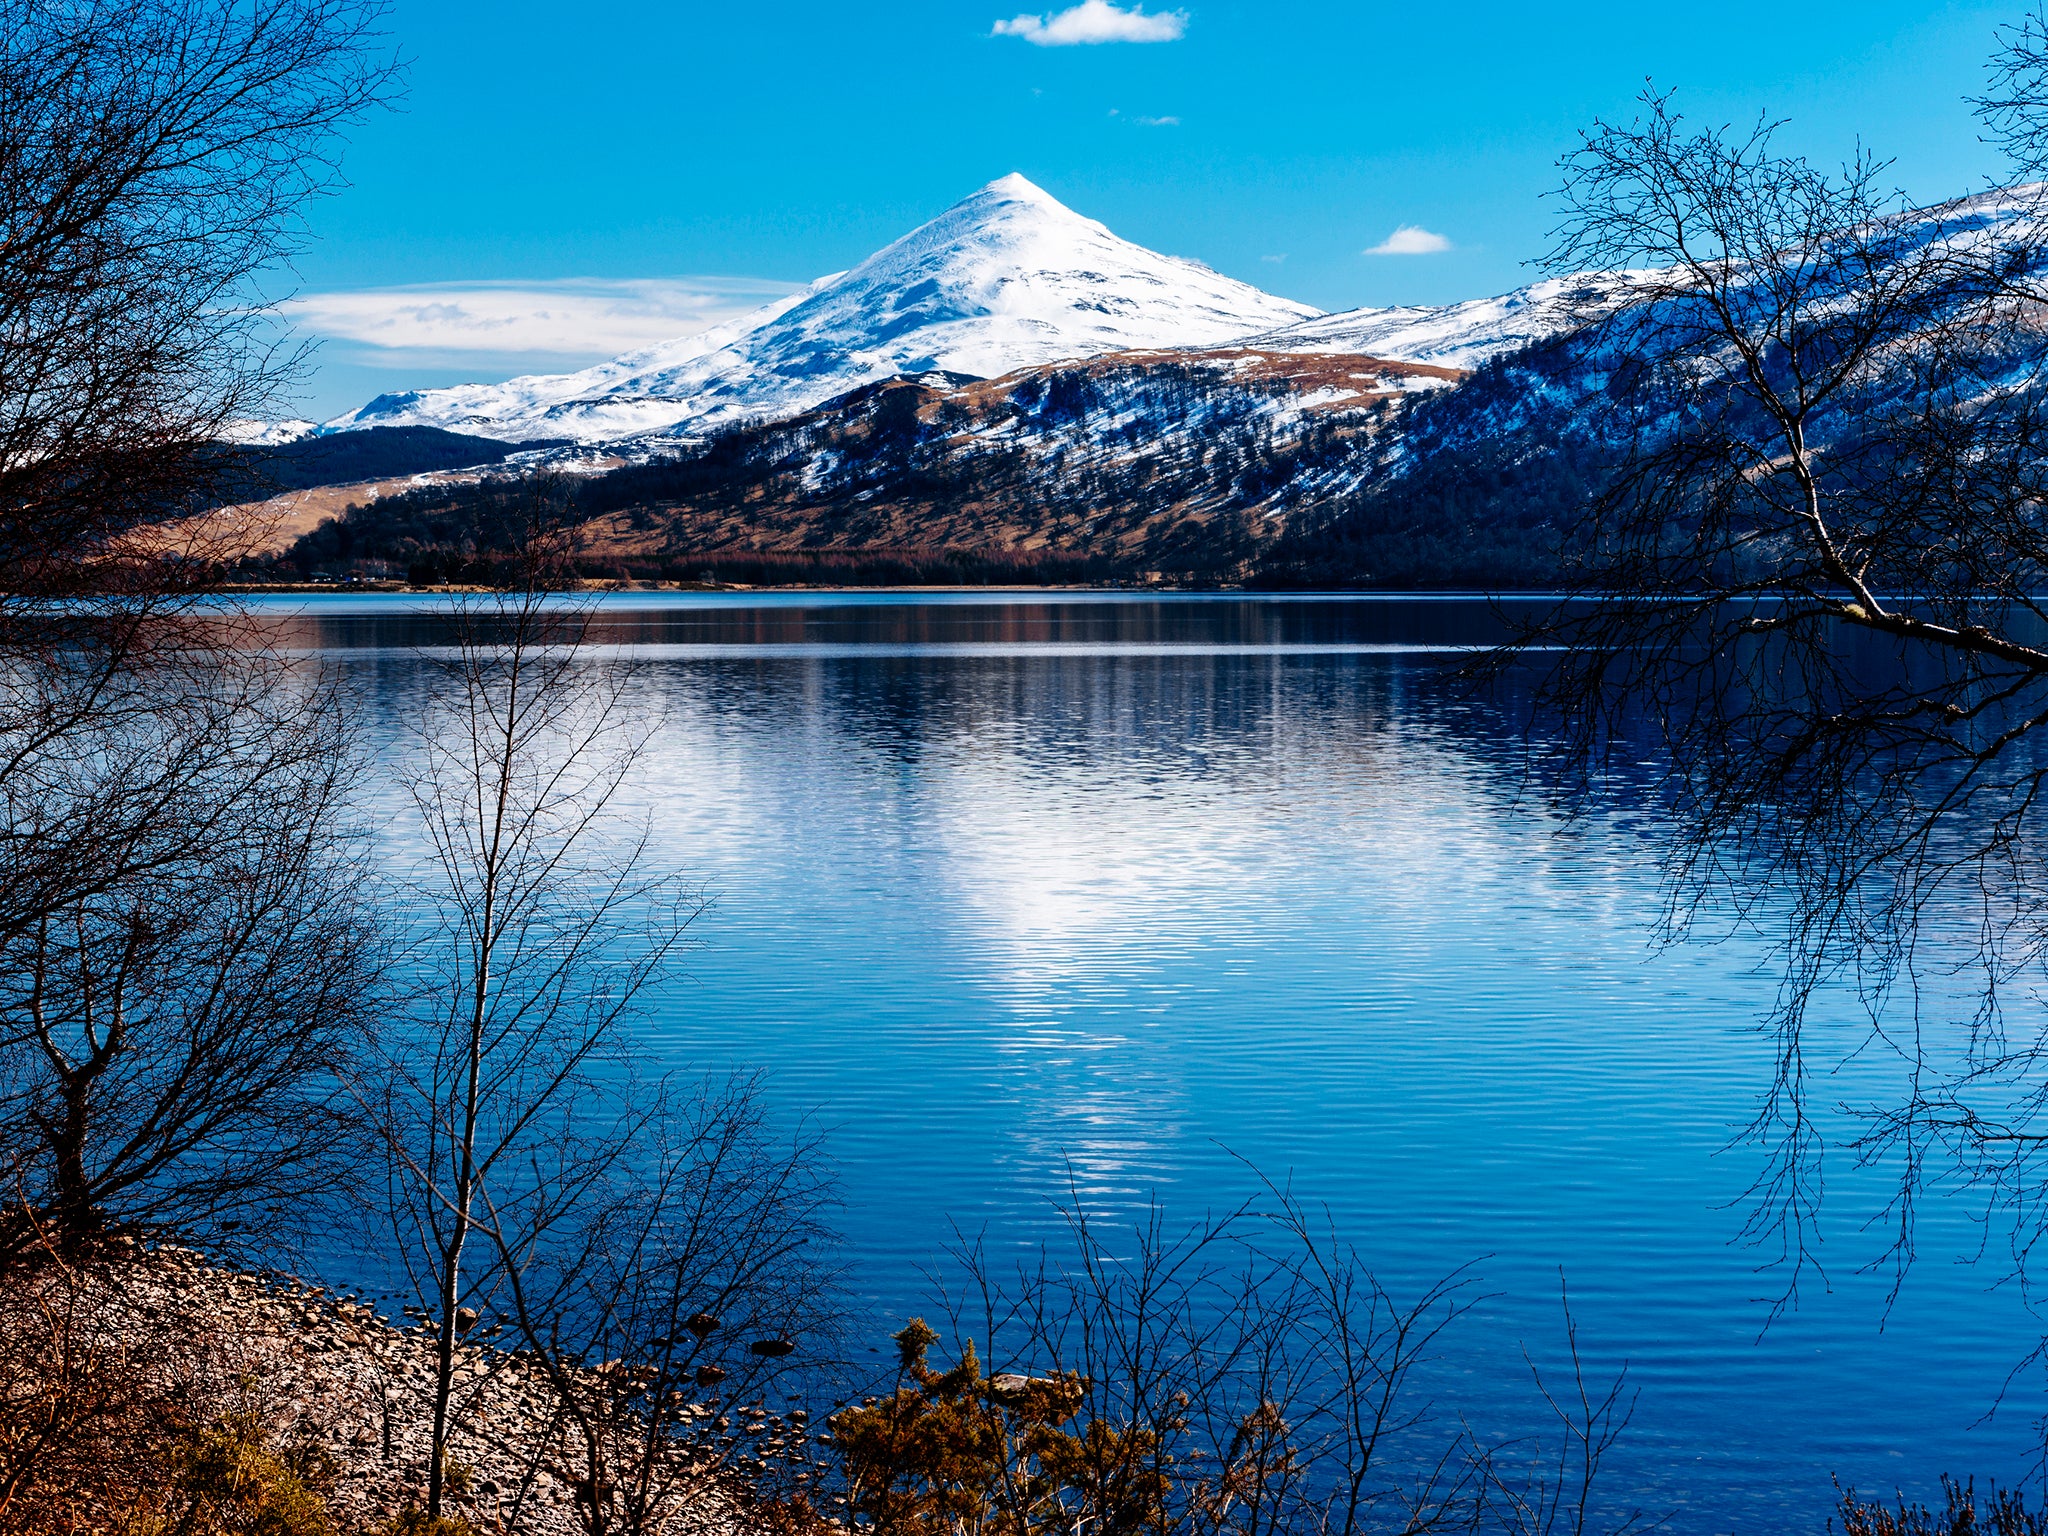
x=564, y=180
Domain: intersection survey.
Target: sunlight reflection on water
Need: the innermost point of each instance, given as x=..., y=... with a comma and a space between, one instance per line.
x=1121, y=891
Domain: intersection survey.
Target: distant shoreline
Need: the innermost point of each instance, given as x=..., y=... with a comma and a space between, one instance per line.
x=1012, y=589
x=627, y=589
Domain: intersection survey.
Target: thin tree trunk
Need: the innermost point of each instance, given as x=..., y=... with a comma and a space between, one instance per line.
x=74, y=1194
x=465, y=1184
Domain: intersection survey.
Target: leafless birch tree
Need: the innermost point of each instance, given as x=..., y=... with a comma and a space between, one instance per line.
x=171, y=798
x=539, y=935
x=1805, y=614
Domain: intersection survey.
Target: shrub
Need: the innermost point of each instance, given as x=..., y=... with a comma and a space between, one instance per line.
x=2002, y=1513
x=229, y=1481
x=415, y=1521
x=951, y=1451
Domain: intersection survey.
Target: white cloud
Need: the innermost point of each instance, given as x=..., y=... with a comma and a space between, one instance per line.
x=1412, y=240
x=570, y=317
x=1159, y=122
x=1276, y=260
x=1097, y=21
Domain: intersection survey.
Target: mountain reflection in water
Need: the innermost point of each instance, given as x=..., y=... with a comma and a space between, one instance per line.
x=1012, y=890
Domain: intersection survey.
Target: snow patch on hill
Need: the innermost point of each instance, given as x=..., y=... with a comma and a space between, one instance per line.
x=1464, y=336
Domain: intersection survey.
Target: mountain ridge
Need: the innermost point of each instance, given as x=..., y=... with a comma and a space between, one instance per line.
x=1007, y=278
x=1418, y=445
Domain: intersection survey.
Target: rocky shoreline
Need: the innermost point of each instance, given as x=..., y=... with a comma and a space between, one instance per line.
x=328, y=1373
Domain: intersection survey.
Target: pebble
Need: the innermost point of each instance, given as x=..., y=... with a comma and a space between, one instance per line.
x=365, y=1389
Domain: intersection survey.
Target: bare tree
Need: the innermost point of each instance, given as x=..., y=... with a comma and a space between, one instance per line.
x=697, y=1270
x=165, y=786
x=1544, y=1486
x=539, y=933
x=156, y=157
x=186, y=948
x=187, y=961
x=1807, y=592
x=1243, y=1375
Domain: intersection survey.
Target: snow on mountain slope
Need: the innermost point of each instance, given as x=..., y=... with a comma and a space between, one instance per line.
x=602, y=401
x=1453, y=335
x=1009, y=278
x=1472, y=333
x=267, y=434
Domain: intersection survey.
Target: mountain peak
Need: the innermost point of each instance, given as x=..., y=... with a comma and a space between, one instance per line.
x=1007, y=278
x=1018, y=191
x=1011, y=212
x=1021, y=187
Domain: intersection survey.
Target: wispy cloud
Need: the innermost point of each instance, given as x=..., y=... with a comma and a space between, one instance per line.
x=1159, y=122
x=1096, y=21
x=1412, y=240
x=571, y=317
x=1275, y=260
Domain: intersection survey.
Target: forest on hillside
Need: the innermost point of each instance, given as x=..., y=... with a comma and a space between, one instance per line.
x=1154, y=473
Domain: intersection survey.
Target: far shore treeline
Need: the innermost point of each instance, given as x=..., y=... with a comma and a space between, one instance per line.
x=909, y=508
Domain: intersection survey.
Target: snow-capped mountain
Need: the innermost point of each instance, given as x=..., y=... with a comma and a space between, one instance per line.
x=1009, y=278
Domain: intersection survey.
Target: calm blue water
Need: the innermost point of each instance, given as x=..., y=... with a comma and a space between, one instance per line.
x=1132, y=887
